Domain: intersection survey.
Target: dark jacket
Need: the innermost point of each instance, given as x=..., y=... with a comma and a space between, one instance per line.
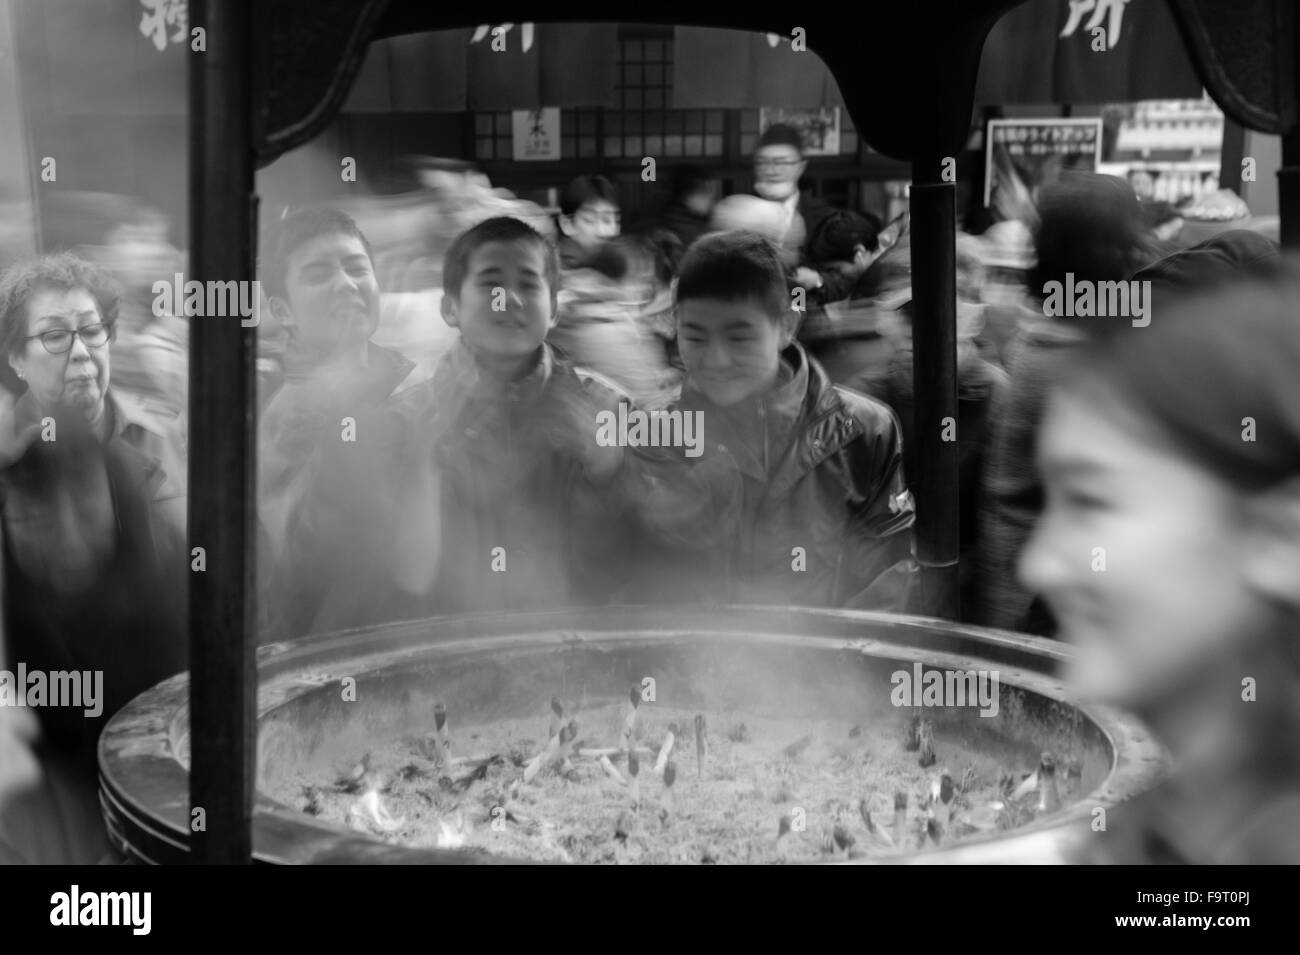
x=95, y=567
x=813, y=211
x=835, y=286
x=796, y=498
x=528, y=518
x=1013, y=487
x=683, y=222
x=981, y=391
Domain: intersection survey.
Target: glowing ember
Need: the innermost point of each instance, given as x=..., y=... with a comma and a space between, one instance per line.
x=454, y=834
x=369, y=812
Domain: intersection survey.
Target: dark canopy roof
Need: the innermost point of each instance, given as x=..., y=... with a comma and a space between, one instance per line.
x=910, y=98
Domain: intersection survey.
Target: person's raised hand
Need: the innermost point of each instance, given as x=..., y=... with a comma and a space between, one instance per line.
x=19, y=769
x=14, y=441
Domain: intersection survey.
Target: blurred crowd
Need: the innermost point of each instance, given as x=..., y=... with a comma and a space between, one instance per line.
x=431, y=381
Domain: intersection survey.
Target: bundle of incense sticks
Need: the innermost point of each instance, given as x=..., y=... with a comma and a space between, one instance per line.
x=443, y=738
x=634, y=784
x=1049, y=797
x=666, y=749
x=880, y=837
x=934, y=830
x=543, y=758
x=701, y=745
x=567, y=735
x=670, y=777
x=900, y=819
x=357, y=775
x=842, y=838
x=941, y=796
x=629, y=719
x=595, y=752
x=611, y=771
x=557, y=717
x=913, y=741
x=926, y=734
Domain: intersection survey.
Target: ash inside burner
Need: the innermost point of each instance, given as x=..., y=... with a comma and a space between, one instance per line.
x=763, y=788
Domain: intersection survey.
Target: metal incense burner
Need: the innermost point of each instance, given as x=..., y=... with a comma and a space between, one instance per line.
x=815, y=664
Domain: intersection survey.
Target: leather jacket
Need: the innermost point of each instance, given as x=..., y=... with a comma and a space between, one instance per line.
x=798, y=497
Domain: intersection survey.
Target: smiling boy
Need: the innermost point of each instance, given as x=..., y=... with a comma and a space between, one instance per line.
x=798, y=496
x=505, y=436
x=322, y=469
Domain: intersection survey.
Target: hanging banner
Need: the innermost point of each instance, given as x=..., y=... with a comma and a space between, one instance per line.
x=715, y=68
x=1085, y=52
x=536, y=134
x=1023, y=154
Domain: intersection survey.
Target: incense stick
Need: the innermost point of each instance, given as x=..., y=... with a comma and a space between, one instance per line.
x=701, y=745
x=666, y=749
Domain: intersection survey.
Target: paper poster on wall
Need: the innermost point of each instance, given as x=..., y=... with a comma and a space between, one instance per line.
x=1021, y=155
x=820, y=126
x=536, y=133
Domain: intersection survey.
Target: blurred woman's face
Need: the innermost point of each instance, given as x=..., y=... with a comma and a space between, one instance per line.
x=77, y=378
x=1139, y=556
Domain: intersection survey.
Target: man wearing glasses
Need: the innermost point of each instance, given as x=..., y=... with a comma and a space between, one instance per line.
x=778, y=165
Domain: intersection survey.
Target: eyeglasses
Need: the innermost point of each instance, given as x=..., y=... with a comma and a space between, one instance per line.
x=59, y=340
x=776, y=163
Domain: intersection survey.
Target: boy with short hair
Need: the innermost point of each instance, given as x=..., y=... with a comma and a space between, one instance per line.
x=321, y=465
x=589, y=217
x=514, y=517
x=798, y=496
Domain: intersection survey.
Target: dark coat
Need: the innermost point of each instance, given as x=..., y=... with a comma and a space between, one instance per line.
x=799, y=499
x=834, y=286
x=981, y=392
x=1013, y=487
x=95, y=566
x=684, y=223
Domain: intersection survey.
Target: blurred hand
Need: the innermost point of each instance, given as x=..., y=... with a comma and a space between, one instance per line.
x=19, y=769
x=807, y=277
x=570, y=423
x=13, y=443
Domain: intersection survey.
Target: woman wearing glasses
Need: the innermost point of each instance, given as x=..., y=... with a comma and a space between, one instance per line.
x=92, y=554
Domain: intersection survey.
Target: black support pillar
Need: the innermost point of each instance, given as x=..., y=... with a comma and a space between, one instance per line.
x=222, y=448
x=934, y=364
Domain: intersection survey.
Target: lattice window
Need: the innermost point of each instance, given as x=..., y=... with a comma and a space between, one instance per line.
x=647, y=126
